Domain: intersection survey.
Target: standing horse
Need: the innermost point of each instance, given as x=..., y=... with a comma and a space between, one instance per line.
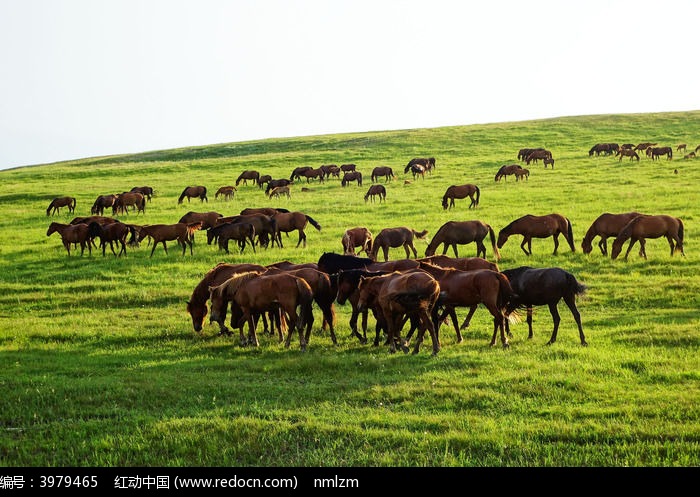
x=56, y=204
x=162, y=233
x=146, y=191
x=208, y=219
x=254, y=293
x=254, y=176
x=416, y=170
x=657, y=152
x=394, y=238
x=644, y=226
x=628, y=152
x=522, y=174
x=226, y=192
x=112, y=232
x=125, y=200
x=194, y=192
x=606, y=225
x=72, y=233
x=454, y=233
x=357, y=237
x=376, y=191
x=546, y=286
x=505, y=171
x=459, y=192
x=350, y=176
x=298, y=173
x=101, y=202
x=295, y=221
x=382, y=171
x=240, y=231
x=530, y=227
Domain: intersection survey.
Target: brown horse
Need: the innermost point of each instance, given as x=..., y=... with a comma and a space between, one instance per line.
x=383, y=172
x=376, y=191
x=400, y=296
x=279, y=191
x=459, y=192
x=505, y=171
x=102, y=202
x=454, y=233
x=265, y=227
x=113, y=232
x=357, y=237
x=135, y=200
x=548, y=161
x=253, y=176
x=469, y=289
x=628, y=152
x=274, y=183
x=530, y=227
x=346, y=282
x=416, y=170
x=264, y=179
x=462, y=263
x=226, y=192
x=254, y=293
x=147, y=191
x=350, y=176
x=295, y=221
x=298, y=173
x=317, y=173
x=546, y=286
x=522, y=174
x=194, y=192
x=657, y=152
x=56, y=204
x=606, y=225
x=394, y=238
x=208, y=219
x=162, y=233
x=642, y=227
x=241, y=231
x=72, y=233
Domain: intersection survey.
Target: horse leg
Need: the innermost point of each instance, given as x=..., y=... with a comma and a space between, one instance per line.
x=480, y=249
x=556, y=243
x=629, y=249
x=556, y=318
x=454, y=248
x=526, y=241
x=252, y=334
x=529, y=322
x=671, y=243
x=603, y=245
x=468, y=319
x=571, y=303
x=415, y=253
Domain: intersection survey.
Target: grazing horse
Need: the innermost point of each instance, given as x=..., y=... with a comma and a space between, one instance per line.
x=295, y=221
x=194, y=192
x=459, y=192
x=298, y=173
x=274, y=183
x=536, y=155
x=681, y=147
x=317, y=173
x=383, y=171
x=56, y=204
x=265, y=227
x=125, y=200
x=393, y=238
x=357, y=237
x=240, y=231
x=331, y=170
x=657, y=152
x=376, y=191
x=645, y=226
x=278, y=191
x=72, y=233
x=530, y=227
x=546, y=286
x=522, y=173
x=428, y=163
x=226, y=192
x=548, y=161
x=400, y=296
x=350, y=176
x=113, y=232
x=505, y=171
x=628, y=152
x=254, y=176
x=454, y=233
x=146, y=191
x=101, y=202
x=254, y=293
x=162, y=233
x=264, y=179
x=208, y=219
x=606, y=225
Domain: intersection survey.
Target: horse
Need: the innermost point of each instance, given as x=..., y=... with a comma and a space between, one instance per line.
x=647, y=226
x=279, y=191
x=399, y=296
x=274, y=183
x=162, y=233
x=240, y=231
x=226, y=192
x=383, y=172
x=357, y=237
x=346, y=283
x=459, y=192
x=208, y=219
x=113, y=232
x=72, y=233
x=416, y=170
x=628, y=152
x=264, y=179
x=350, y=176
x=657, y=152
x=295, y=221
x=606, y=225
x=298, y=172
x=462, y=263
x=538, y=154
x=521, y=174
x=129, y=199
x=604, y=148
x=146, y=191
x=506, y=170
x=681, y=147
x=454, y=233
x=376, y=191
x=331, y=170
x=310, y=174
x=254, y=176
x=548, y=161
x=102, y=202
x=194, y=192
x=427, y=162
x=546, y=286
x=266, y=228
x=393, y=238
x=253, y=293
x=346, y=168
x=56, y=204
x=530, y=227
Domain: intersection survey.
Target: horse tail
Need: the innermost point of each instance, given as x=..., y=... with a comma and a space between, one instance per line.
x=507, y=300
x=478, y=194
x=420, y=234
x=132, y=230
x=306, y=298
x=574, y=285
x=570, y=234
x=182, y=195
x=313, y=223
x=679, y=245
x=72, y=203
x=492, y=235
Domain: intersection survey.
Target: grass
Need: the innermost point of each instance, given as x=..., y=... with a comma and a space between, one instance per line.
x=102, y=367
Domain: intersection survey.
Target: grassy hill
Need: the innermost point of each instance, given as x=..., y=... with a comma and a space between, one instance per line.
x=102, y=366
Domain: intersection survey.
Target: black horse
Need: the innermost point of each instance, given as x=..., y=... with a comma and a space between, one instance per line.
x=545, y=286
x=332, y=263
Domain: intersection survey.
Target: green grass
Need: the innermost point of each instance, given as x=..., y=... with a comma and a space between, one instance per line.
x=101, y=366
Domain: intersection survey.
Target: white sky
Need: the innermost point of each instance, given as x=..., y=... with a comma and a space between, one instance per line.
x=82, y=78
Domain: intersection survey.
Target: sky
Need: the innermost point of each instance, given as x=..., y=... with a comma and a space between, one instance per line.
x=85, y=78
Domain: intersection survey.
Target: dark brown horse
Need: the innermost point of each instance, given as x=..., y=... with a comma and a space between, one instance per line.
x=400, y=296
x=208, y=219
x=462, y=263
x=628, y=152
x=522, y=174
x=459, y=192
x=416, y=170
x=72, y=233
x=56, y=204
x=383, y=172
x=135, y=200
x=394, y=238
x=242, y=232
x=657, y=152
x=253, y=176
x=505, y=171
x=376, y=191
x=266, y=229
x=317, y=173
x=101, y=203
x=146, y=191
x=357, y=237
x=264, y=179
x=530, y=227
x=113, y=233
x=645, y=226
x=194, y=192
x=274, y=183
x=606, y=225
x=454, y=233
x=298, y=173
x=545, y=286
x=162, y=233
x=351, y=176
x=253, y=293
x=427, y=162
x=295, y=221
x=226, y=192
